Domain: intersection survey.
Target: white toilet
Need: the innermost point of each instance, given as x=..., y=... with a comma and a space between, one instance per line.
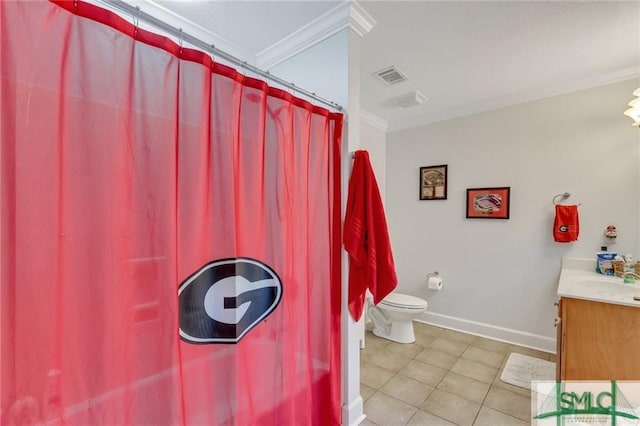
x=394, y=315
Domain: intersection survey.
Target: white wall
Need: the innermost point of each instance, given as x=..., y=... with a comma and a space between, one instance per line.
x=321, y=69
x=503, y=273
x=373, y=140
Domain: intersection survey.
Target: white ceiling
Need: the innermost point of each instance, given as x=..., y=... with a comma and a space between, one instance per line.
x=465, y=57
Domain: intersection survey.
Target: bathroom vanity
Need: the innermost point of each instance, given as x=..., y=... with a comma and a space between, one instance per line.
x=598, y=325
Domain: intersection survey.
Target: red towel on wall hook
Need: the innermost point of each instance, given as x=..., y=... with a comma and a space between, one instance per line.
x=566, y=225
x=366, y=238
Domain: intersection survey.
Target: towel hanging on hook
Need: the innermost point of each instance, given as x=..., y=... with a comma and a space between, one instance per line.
x=566, y=225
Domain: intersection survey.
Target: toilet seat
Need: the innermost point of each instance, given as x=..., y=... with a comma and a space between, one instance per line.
x=404, y=301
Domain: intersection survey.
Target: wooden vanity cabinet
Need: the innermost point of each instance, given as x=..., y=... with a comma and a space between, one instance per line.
x=597, y=341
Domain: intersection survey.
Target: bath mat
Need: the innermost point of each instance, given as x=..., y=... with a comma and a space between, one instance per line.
x=522, y=369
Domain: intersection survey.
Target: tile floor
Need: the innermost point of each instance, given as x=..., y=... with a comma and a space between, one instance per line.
x=444, y=378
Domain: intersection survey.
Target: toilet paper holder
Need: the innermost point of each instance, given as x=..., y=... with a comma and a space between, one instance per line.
x=434, y=282
x=432, y=274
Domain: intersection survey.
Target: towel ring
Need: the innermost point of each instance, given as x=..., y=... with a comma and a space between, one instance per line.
x=564, y=196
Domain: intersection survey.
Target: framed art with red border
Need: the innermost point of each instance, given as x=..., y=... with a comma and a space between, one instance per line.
x=488, y=203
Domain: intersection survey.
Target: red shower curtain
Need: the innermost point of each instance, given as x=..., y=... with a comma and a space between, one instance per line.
x=170, y=233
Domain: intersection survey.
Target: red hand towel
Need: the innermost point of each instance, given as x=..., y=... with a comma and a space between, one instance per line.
x=566, y=225
x=366, y=239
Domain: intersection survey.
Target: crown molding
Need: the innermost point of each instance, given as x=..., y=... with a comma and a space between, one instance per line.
x=360, y=21
x=373, y=120
x=189, y=27
x=348, y=14
x=520, y=98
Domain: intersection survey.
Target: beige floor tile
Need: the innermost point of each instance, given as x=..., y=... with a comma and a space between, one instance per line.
x=406, y=349
x=374, y=376
x=424, y=340
x=456, y=336
x=407, y=390
x=464, y=369
x=370, y=350
x=422, y=418
x=475, y=370
x=424, y=373
x=373, y=341
x=449, y=347
x=509, y=402
x=471, y=389
x=387, y=411
x=428, y=329
x=385, y=359
x=483, y=356
x=366, y=391
x=504, y=361
x=492, y=345
x=491, y=417
x=437, y=358
x=451, y=407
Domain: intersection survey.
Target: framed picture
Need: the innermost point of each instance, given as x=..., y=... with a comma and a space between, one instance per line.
x=433, y=182
x=488, y=203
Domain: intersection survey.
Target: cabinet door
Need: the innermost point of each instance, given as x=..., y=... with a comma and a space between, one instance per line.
x=600, y=341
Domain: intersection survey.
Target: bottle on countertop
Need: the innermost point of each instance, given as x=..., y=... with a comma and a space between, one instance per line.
x=604, y=261
x=629, y=266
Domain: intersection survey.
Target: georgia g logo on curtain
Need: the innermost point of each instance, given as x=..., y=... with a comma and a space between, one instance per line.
x=225, y=299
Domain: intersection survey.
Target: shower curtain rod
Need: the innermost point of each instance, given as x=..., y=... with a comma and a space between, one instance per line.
x=138, y=14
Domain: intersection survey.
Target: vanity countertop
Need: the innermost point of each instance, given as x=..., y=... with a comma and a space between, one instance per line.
x=579, y=280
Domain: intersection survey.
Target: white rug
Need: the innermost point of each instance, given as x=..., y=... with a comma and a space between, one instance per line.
x=522, y=369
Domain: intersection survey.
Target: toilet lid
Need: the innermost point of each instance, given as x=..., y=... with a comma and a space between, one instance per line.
x=400, y=300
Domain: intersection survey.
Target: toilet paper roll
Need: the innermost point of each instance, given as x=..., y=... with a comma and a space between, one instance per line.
x=435, y=283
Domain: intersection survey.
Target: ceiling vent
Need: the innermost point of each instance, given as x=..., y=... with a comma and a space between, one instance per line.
x=411, y=99
x=391, y=75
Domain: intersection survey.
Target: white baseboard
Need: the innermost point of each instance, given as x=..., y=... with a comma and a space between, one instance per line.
x=521, y=338
x=352, y=413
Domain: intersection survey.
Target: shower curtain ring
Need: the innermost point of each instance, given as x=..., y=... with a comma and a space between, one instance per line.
x=136, y=21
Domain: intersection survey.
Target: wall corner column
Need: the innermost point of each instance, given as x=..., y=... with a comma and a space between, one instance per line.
x=360, y=23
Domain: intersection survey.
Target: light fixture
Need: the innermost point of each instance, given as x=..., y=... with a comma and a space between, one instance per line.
x=411, y=99
x=634, y=111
